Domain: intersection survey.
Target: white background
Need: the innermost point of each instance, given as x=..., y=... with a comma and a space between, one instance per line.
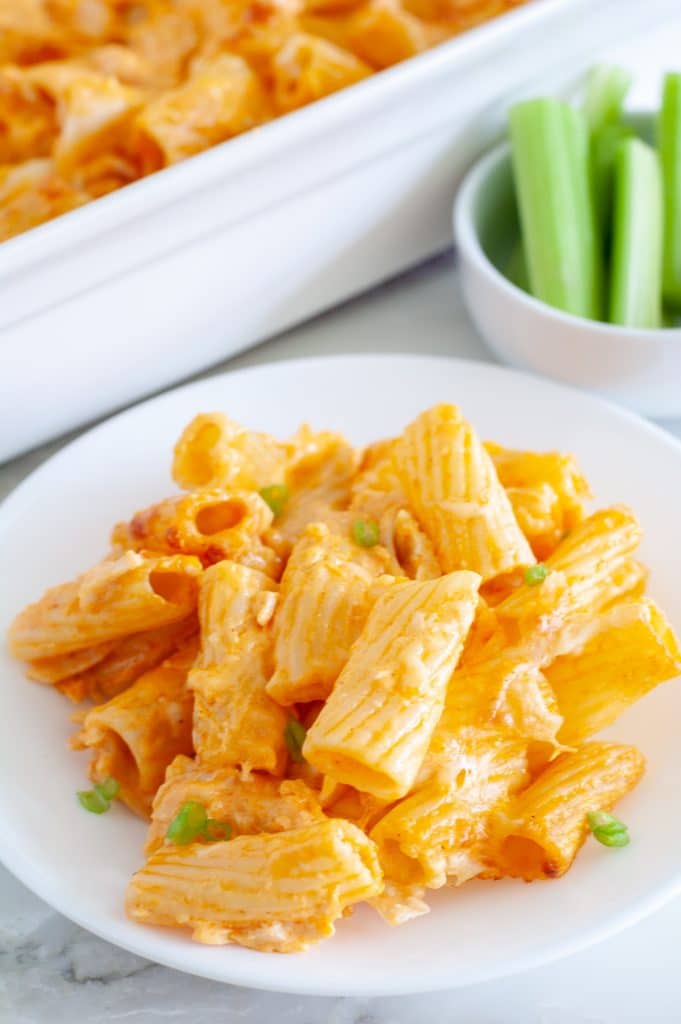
x=51, y=971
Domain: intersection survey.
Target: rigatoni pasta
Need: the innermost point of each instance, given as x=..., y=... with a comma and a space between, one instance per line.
x=374, y=730
x=236, y=722
x=328, y=675
x=97, y=94
x=456, y=494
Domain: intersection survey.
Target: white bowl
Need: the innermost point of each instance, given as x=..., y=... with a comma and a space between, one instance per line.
x=638, y=368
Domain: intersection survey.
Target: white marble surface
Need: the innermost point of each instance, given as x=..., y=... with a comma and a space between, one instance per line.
x=52, y=971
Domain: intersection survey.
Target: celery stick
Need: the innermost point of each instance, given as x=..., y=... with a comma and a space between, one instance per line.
x=606, y=90
x=604, y=146
x=669, y=131
x=549, y=142
x=636, y=286
x=516, y=268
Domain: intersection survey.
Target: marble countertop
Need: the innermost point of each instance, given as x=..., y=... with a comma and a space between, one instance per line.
x=53, y=971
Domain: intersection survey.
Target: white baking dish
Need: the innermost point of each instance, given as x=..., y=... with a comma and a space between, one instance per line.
x=180, y=270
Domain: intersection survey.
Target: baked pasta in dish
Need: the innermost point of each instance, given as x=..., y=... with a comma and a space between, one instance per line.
x=95, y=94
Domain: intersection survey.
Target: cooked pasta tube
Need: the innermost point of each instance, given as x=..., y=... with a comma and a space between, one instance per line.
x=280, y=892
x=380, y=32
x=129, y=659
x=587, y=571
x=102, y=671
x=222, y=99
x=411, y=548
x=544, y=828
x=123, y=595
x=633, y=650
x=436, y=834
x=374, y=730
x=377, y=488
x=319, y=474
x=540, y=516
x=93, y=110
x=138, y=733
x=378, y=495
x=308, y=67
x=454, y=491
x=57, y=667
x=214, y=451
x=235, y=721
x=212, y=523
x=247, y=806
x=508, y=692
x=329, y=580
x=521, y=469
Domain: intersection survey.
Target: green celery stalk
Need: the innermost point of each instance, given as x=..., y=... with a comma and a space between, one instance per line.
x=604, y=146
x=550, y=153
x=516, y=268
x=669, y=139
x=606, y=91
x=636, y=285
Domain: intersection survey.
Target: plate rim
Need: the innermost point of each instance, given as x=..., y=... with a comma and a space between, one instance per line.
x=34, y=877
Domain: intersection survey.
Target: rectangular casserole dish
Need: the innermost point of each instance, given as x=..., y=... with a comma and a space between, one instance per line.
x=182, y=269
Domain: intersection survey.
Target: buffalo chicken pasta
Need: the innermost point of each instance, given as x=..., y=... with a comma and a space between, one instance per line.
x=95, y=94
x=328, y=676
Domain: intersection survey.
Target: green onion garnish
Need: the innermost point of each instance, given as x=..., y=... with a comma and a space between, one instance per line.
x=98, y=799
x=276, y=496
x=216, y=830
x=192, y=822
x=365, y=532
x=608, y=829
x=294, y=735
x=536, y=574
x=108, y=788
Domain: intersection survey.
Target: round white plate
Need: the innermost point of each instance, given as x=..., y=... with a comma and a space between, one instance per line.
x=57, y=523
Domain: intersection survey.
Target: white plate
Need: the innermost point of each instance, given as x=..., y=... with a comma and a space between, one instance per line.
x=57, y=523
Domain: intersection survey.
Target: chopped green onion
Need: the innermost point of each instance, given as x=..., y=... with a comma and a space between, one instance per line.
x=216, y=830
x=365, y=532
x=536, y=574
x=98, y=799
x=108, y=789
x=636, y=286
x=294, y=735
x=550, y=151
x=669, y=140
x=607, y=829
x=606, y=91
x=93, y=801
x=190, y=821
x=276, y=496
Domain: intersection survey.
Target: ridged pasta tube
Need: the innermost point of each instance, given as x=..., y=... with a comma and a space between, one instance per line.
x=455, y=493
x=374, y=730
x=235, y=721
x=280, y=893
